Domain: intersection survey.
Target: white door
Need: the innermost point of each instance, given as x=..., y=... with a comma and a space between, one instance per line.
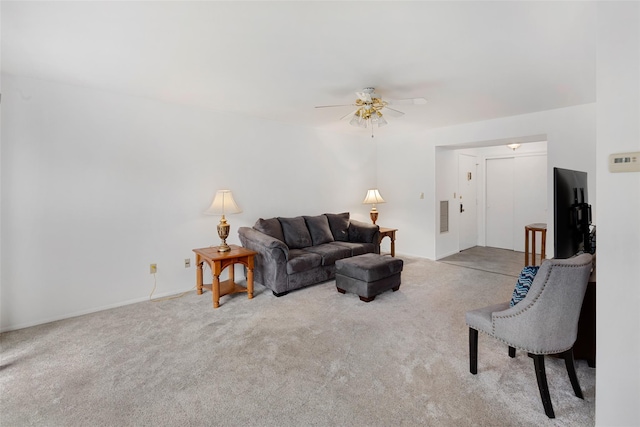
x=467, y=189
x=530, y=206
x=499, y=203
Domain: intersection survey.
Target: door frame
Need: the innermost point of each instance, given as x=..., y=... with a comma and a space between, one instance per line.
x=474, y=202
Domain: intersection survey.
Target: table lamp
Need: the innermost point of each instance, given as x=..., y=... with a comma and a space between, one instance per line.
x=373, y=196
x=222, y=204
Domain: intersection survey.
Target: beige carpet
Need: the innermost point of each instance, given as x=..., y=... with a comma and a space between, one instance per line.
x=311, y=358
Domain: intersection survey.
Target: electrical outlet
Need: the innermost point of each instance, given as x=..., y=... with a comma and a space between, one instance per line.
x=153, y=268
x=187, y=262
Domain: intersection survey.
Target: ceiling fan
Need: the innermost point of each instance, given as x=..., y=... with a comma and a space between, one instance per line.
x=370, y=108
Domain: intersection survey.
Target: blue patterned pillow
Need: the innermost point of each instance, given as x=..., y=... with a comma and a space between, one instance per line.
x=523, y=284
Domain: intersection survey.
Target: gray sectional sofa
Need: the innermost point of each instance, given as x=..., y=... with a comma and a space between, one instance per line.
x=301, y=251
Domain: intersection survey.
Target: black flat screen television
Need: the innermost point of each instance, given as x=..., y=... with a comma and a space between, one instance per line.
x=571, y=213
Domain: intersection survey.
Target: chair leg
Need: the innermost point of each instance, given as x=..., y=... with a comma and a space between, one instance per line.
x=473, y=351
x=571, y=370
x=512, y=352
x=541, y=376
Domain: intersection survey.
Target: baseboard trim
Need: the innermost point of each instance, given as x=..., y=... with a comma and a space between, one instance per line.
x=90, y=310
x=440, y=256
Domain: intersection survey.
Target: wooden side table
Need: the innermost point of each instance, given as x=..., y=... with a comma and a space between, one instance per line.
x=532, y=229
x=218, y=261
x=391, y=234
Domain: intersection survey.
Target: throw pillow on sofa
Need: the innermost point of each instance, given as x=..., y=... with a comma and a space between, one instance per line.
x=339, y=225
x=296, y=233
x=319, y=229
x=270, y=227
x=362, y=234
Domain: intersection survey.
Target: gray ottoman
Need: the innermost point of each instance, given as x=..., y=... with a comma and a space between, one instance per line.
x=368, y=275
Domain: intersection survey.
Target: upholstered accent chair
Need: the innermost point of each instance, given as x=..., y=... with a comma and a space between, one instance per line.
x=545, y=322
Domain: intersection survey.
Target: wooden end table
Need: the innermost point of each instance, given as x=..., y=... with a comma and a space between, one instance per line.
x=391, y=234
x=218, y=261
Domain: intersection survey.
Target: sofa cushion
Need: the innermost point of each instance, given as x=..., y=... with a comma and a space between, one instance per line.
x=339, y=225
x=358, y=248
x=319, y=229
x=270, y=227
x=330, y=252
x=296, y=233
x=301, y=260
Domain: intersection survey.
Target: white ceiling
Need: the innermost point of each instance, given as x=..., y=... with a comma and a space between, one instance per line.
x=473, y=61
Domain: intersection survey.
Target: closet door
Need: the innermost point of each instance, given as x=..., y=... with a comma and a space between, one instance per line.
x=500, y=203
x=516, y=194
x=530, y=207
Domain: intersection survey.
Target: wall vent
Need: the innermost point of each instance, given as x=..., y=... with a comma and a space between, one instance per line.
x=444, y=216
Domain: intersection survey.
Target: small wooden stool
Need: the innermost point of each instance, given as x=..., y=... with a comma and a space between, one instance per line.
x=532, y=228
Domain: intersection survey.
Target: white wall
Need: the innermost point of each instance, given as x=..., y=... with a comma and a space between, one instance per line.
x=96, y=186
x=618, y=231
x=407, y=166
x=446, y=185
x=402, y=169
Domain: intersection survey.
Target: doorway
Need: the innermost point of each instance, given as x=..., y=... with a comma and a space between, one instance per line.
x=452, y=165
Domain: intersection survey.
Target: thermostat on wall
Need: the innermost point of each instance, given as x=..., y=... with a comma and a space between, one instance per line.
x=625, y=162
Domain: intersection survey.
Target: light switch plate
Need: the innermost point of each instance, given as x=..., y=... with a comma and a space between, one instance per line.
x=625, y=162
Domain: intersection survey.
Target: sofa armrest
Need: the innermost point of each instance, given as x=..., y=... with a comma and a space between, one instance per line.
x=270, y=267
x=264, y=244
x=362, y=232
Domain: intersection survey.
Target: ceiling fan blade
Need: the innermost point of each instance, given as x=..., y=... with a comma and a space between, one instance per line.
x=395, y=113
x=407, y=101
x=348, y=114
x=331, y=106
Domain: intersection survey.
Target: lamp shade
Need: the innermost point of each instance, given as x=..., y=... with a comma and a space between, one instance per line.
x=223, y=204
x=373, y=197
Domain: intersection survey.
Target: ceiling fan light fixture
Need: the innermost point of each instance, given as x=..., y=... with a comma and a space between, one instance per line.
x=361, y=117
x=369, y=107
x=357, y=120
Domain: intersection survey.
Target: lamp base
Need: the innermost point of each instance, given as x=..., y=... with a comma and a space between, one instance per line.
x=373, y=215
x=223, y=233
